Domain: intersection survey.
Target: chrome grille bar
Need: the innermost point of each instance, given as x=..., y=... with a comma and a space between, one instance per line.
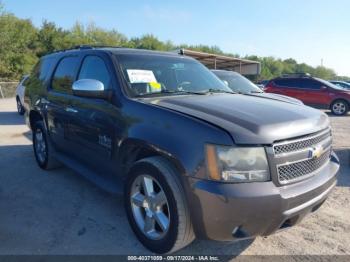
x=301, y=143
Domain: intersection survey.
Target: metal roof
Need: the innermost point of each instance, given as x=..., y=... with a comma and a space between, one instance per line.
x=213, y=61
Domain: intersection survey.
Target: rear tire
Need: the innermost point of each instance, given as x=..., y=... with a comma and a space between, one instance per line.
x=20, y=108
x=339, y=107
x=42, y=148
x=147, y=180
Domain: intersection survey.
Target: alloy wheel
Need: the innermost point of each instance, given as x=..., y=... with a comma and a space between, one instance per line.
x=339, y=108
x=40, y=146
x=150, y=207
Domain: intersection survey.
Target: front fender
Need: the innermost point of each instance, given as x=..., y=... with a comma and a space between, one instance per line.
x=175, y=135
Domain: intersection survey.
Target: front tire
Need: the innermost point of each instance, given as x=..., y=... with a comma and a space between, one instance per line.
x=339, y=107
x=42, y=148
x=156, y=207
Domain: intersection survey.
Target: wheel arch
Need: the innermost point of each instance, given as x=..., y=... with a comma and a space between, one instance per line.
x=132, y=150
x=34, y=116
x=339, y=99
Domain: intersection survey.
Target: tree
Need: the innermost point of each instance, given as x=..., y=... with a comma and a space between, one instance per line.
x=22, y=44
x=148, y=41
x=51, y=38
x=18, y=41
x=324, y=73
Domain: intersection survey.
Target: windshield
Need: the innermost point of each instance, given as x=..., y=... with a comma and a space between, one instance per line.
x=237, y=82
x=165, y=75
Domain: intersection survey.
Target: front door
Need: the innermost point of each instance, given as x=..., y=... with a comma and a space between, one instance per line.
x=93, y=126
x=315, y=93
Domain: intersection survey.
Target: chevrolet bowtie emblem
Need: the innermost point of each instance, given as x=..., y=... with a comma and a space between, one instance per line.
x=316, y=152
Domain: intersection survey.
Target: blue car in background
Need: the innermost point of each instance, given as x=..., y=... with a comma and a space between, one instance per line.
x=342, y=84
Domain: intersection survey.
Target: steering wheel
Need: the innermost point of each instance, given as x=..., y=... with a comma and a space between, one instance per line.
x=182, y=84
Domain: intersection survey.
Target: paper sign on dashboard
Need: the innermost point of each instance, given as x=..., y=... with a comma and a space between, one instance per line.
x=141, y=76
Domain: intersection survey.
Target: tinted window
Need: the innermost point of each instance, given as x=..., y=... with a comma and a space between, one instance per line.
x=309, y=84
x=42, y=68
x=65, y=75
x=286, y=82
x=94, y=68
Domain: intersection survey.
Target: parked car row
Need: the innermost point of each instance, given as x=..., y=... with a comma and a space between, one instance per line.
x=194, y=156
x=312, y=91
x=239, y=84
x=299, y=88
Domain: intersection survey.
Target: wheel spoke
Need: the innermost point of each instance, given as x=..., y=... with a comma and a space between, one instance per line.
x=150, y=207
x=149, y=224
x=147, y=185
x=138, y=199
x=162, y=220
x=160, y=199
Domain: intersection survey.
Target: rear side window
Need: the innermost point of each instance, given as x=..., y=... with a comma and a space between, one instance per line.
x=65, y=75
x=42, y=69
x=286, y=83
x=95, y=68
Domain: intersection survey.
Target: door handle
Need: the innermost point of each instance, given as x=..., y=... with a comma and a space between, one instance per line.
x=71, y=110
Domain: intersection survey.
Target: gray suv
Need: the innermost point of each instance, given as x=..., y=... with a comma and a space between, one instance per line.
x=192, y=158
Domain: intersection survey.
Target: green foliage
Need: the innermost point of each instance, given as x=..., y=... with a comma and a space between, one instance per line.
x=21, y=45
x=18, y=42
x=148, y=42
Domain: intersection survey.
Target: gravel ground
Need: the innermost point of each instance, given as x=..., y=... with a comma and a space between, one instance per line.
x=58, y=212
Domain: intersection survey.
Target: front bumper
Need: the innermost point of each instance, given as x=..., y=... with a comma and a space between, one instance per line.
x=222, y=211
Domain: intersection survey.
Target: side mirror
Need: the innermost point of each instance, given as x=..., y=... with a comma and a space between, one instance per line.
x=90, y=88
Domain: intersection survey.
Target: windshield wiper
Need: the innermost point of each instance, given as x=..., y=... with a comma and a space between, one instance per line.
x=256, y=92
x=173, y=92
x=212, y=90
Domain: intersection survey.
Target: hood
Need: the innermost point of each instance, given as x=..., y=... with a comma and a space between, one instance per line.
x=279, y=97
x=249, y=119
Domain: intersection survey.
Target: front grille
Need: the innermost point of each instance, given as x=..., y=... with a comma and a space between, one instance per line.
x=301, y=143
x=290, y=172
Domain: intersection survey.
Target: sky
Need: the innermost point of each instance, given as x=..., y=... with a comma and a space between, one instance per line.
x=306, y=30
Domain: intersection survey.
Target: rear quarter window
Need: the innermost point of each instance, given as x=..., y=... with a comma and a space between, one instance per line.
x=43, y=68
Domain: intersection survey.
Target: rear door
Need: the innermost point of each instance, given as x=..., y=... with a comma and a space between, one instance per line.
x=93, y=125
x=59, y=100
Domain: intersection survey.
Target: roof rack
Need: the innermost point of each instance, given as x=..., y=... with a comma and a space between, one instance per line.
x=84, y=47
x=307, y=75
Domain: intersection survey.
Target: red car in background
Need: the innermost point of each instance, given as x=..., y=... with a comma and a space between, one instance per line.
x=312, y=91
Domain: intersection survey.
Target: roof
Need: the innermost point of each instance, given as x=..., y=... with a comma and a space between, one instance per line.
x=113, y=49
x=213, y=61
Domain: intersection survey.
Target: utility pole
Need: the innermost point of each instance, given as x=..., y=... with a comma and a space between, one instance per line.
x=322, y=62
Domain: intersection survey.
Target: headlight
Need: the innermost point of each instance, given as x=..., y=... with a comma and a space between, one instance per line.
x=237, y=164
